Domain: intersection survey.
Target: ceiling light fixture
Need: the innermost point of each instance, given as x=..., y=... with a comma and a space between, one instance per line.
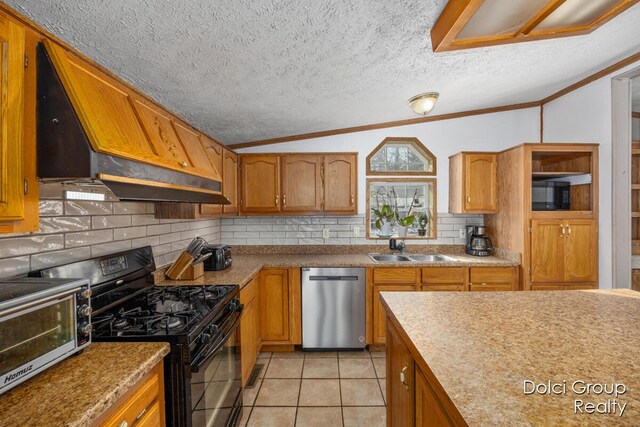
x=422, y=104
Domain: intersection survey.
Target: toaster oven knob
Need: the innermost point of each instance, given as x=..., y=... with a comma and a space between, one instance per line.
x=85, y=328
x=86, y=294
x=84, y=310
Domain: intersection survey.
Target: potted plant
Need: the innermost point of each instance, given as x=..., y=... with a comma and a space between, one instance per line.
x=423, y=221
x=404, y=223
x=384, y=216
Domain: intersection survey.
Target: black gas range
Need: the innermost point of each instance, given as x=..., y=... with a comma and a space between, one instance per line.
x=202, y=370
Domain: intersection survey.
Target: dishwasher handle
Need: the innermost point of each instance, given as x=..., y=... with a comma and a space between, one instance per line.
x=333, y=278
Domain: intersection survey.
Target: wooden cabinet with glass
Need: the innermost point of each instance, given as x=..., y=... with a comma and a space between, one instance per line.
x=301, y=184
x=548, y=212
x=473, y=183
x=18, y=183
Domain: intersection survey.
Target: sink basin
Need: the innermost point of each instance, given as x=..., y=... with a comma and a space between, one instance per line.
x=389, y=258
x=409, y=258
x=430, y=258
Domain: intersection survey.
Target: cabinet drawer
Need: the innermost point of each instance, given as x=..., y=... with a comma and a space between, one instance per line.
x=491, y=275
x=444, y=275
x=395, y=275
x=151, y=418
x=139, y=402
x=443, y=287
x=484, y=286
x=547, y=287
x=249, y=291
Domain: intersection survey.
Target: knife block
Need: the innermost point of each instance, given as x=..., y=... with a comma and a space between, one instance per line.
x=179, y=266
x=192, y=272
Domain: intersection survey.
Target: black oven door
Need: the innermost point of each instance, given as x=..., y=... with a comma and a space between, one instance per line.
x=216, y=392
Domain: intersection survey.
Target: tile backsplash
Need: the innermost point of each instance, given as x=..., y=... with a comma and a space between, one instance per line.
x=307, y=230
x=72, y=230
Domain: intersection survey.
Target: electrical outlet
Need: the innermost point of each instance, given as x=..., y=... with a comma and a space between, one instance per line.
x=463, y=233
x=325, y=233
x=356, y=231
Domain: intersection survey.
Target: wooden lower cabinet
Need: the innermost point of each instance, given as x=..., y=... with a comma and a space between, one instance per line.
x=250, y=338
x=379, y=315
x=411, y=398
x=142, y=405
x=444, y=279
x=280, y=306
x=493, y=279
x=400, y=380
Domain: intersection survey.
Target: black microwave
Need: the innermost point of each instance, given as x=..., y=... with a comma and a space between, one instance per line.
x=551, y=195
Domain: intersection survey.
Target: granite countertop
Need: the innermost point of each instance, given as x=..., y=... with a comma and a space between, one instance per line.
x=79, y=389
x=481, y=347
x=245, y=267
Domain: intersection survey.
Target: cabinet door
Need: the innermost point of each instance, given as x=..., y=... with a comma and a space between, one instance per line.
x=581, y=251
x=492, y=278
x=104, y=107
x=379, y=313
x=340, y=183
x=215, y=156
x=260, y=184
x=274, y=305
x=480, y=182
x=400, y=382
x=230, y=181
x=429, y=411
x=547, y=251
x=249, y=332
x=301, y=183
x=12, y=51
x=195, y=150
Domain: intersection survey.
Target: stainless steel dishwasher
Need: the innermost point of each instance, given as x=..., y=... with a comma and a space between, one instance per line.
x=333, y=308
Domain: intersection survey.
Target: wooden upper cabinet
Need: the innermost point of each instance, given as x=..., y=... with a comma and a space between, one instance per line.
x=104, y=108
x=473, y=183
x=260, y=183
x=163, y=138
x=12, y=80
x=194, y=147
x=230, y=181
x=564, y=251
x=301, y=183
x=341, y=183
x=213, y=152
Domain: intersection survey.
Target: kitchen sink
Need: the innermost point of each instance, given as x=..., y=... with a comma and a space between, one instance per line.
x=430, y=258
x=410, y=258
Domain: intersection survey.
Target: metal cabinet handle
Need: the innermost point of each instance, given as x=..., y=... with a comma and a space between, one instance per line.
x=184, y=164
x=123, y=424
x=562, y=232
x=277, y=200
x=284, y=200
x=351, y=199
x=568, y=231
x=468, y=198
x=402, y=377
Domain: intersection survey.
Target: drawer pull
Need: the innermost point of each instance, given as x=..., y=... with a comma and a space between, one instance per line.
x=141, y=414
x=402, y=377
x=124, y=423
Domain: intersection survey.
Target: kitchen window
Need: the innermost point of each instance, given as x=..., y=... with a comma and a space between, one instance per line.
x=401, y=156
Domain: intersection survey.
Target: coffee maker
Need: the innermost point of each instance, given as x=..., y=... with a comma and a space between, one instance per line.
x=477, y=243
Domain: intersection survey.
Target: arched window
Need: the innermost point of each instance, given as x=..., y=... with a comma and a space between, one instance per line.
x=401, y=156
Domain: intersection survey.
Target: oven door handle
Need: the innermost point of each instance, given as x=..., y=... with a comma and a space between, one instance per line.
x=199, y=360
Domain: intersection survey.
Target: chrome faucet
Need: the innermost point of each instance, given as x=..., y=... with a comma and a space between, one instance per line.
x=394, y=245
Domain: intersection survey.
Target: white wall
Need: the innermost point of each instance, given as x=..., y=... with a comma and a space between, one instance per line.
x=584, y=116
x=486, y=132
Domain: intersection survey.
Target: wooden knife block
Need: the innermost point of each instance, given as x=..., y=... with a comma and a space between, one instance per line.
x=178, y=268
x=192, y=272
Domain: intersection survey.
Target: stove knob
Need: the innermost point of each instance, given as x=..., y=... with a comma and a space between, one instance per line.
x=85, y=328
x=212, y=329
x=85, y=310
x=86, y=294
x=205, y=338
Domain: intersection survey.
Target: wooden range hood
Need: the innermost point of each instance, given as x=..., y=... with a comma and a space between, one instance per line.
x=91, y=128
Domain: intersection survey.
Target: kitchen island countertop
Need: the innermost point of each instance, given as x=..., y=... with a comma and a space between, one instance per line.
x=482, y=347
x=81, y=388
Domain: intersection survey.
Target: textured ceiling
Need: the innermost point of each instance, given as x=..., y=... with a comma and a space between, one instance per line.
x=245, y=70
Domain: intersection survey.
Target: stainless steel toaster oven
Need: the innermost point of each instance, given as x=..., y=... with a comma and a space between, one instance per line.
x=42, y=321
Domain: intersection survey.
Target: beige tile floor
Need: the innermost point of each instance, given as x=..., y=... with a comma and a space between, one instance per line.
x=317, y=389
